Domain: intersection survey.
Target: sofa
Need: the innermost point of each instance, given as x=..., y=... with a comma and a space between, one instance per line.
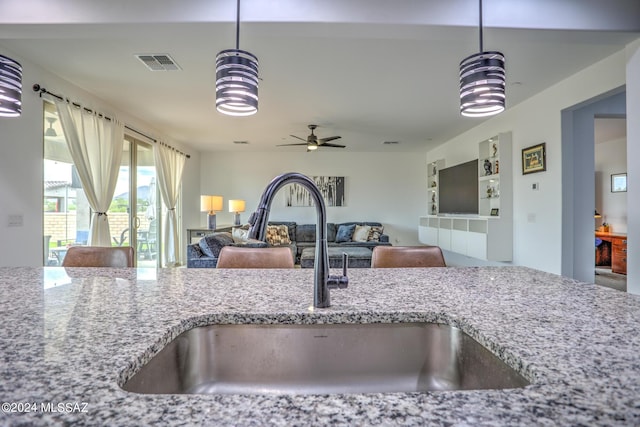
x=296, y=237
x=304, y=236
x=204, y=254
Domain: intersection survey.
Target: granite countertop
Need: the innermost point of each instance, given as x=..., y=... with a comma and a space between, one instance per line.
x=67, y=338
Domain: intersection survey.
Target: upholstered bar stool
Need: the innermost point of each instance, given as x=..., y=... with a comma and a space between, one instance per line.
x=407, y=256
x=99, y=256
x=238, y=257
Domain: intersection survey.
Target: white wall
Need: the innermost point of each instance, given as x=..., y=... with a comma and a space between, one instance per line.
x=537, y=214
x=611, y=158
x=633, y=171
x=384, y=187
x=21, y=164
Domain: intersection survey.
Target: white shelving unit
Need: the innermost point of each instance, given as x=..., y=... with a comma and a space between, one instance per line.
x=494, y=170
x=432, y=186
x=489, y=235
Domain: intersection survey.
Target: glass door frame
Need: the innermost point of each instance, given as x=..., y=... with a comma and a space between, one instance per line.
x=139, y=239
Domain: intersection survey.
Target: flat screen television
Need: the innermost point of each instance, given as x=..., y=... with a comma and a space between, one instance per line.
x=458, y=189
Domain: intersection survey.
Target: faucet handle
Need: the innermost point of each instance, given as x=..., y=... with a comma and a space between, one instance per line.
x=345, y=263
x=340, y=282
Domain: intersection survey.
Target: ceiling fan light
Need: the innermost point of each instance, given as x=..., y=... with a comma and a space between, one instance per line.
x=312, y=147
x=482, y=84
x=10, y=87
x=50, y=130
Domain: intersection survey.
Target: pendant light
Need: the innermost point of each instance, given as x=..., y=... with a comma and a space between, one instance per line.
x=10, y=87
x=237, y=79
x=482, y=82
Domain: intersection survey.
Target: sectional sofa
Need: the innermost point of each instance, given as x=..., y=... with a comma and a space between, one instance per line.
x=295, y=236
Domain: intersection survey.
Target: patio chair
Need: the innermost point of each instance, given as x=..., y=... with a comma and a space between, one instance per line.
x=148, y=241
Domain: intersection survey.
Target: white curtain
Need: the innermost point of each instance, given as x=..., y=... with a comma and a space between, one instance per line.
x=169, y=166
x=95, y=144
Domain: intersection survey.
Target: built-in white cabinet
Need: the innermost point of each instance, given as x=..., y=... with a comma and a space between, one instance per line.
x=489, y=235
x=483, y=238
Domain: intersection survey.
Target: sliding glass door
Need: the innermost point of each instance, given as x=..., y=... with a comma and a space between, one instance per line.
x=143, y=200
x=134, y=212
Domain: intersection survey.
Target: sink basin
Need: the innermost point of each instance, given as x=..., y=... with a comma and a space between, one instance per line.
x=321, y=359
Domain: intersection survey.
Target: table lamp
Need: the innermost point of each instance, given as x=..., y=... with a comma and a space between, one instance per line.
x=211, y=204
x=236, y=206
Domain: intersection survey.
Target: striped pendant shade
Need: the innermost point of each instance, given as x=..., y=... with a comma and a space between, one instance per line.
x=236, y=82
x=237, y=79
x=10, y=87
x=482, y=84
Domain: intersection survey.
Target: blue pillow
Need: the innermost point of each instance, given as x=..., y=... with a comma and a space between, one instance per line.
x=345, y=233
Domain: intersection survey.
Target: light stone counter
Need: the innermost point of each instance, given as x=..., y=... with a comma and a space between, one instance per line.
x=71, y=341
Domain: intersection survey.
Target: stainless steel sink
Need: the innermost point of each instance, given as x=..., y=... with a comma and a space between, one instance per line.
x=320, y=359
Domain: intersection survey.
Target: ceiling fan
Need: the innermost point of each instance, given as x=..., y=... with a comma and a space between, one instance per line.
x=313, y=142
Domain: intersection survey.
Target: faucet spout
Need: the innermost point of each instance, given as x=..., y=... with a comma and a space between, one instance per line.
x=259, y=219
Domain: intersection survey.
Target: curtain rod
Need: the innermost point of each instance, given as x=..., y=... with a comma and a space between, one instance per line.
x=41, y=91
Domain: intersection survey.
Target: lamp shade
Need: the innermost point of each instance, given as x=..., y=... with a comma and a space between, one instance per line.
x=482, y=84
x=210, y=203
x=236, y=205
x=10, y=87
x=236, y=83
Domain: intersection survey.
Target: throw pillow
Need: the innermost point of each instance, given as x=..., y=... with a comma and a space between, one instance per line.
x=239, y=234
x=278, y=235
x=375, y=233
x=212, y=244
x=361, y=233
x=345, y=233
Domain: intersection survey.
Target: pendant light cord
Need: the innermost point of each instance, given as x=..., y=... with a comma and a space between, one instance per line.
x=481, y=47
x=238, y=25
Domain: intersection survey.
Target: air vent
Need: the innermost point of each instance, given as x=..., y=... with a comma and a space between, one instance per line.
x=159, y=62
x=391, y=142
x=241, y=142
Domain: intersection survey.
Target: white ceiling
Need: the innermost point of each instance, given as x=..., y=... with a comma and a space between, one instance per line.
x=368, y=70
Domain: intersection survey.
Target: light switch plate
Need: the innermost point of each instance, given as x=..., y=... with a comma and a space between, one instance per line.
x=15, y=221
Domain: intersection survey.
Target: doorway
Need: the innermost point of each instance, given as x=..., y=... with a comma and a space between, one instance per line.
x=610, y=215
x=578, y=186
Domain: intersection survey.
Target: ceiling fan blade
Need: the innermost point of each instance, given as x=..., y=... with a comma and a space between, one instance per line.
x=330, y=138
x=301, y=139
x=333, y=145
x=284, y=145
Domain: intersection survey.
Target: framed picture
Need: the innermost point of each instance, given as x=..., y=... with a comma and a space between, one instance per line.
x=494, y=212
x=331, y=188
x=534, y=159
x=618, y=182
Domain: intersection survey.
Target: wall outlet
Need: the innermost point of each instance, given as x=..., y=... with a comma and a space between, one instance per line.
x=531, y=217
x=535, y=186
x=15, y=221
